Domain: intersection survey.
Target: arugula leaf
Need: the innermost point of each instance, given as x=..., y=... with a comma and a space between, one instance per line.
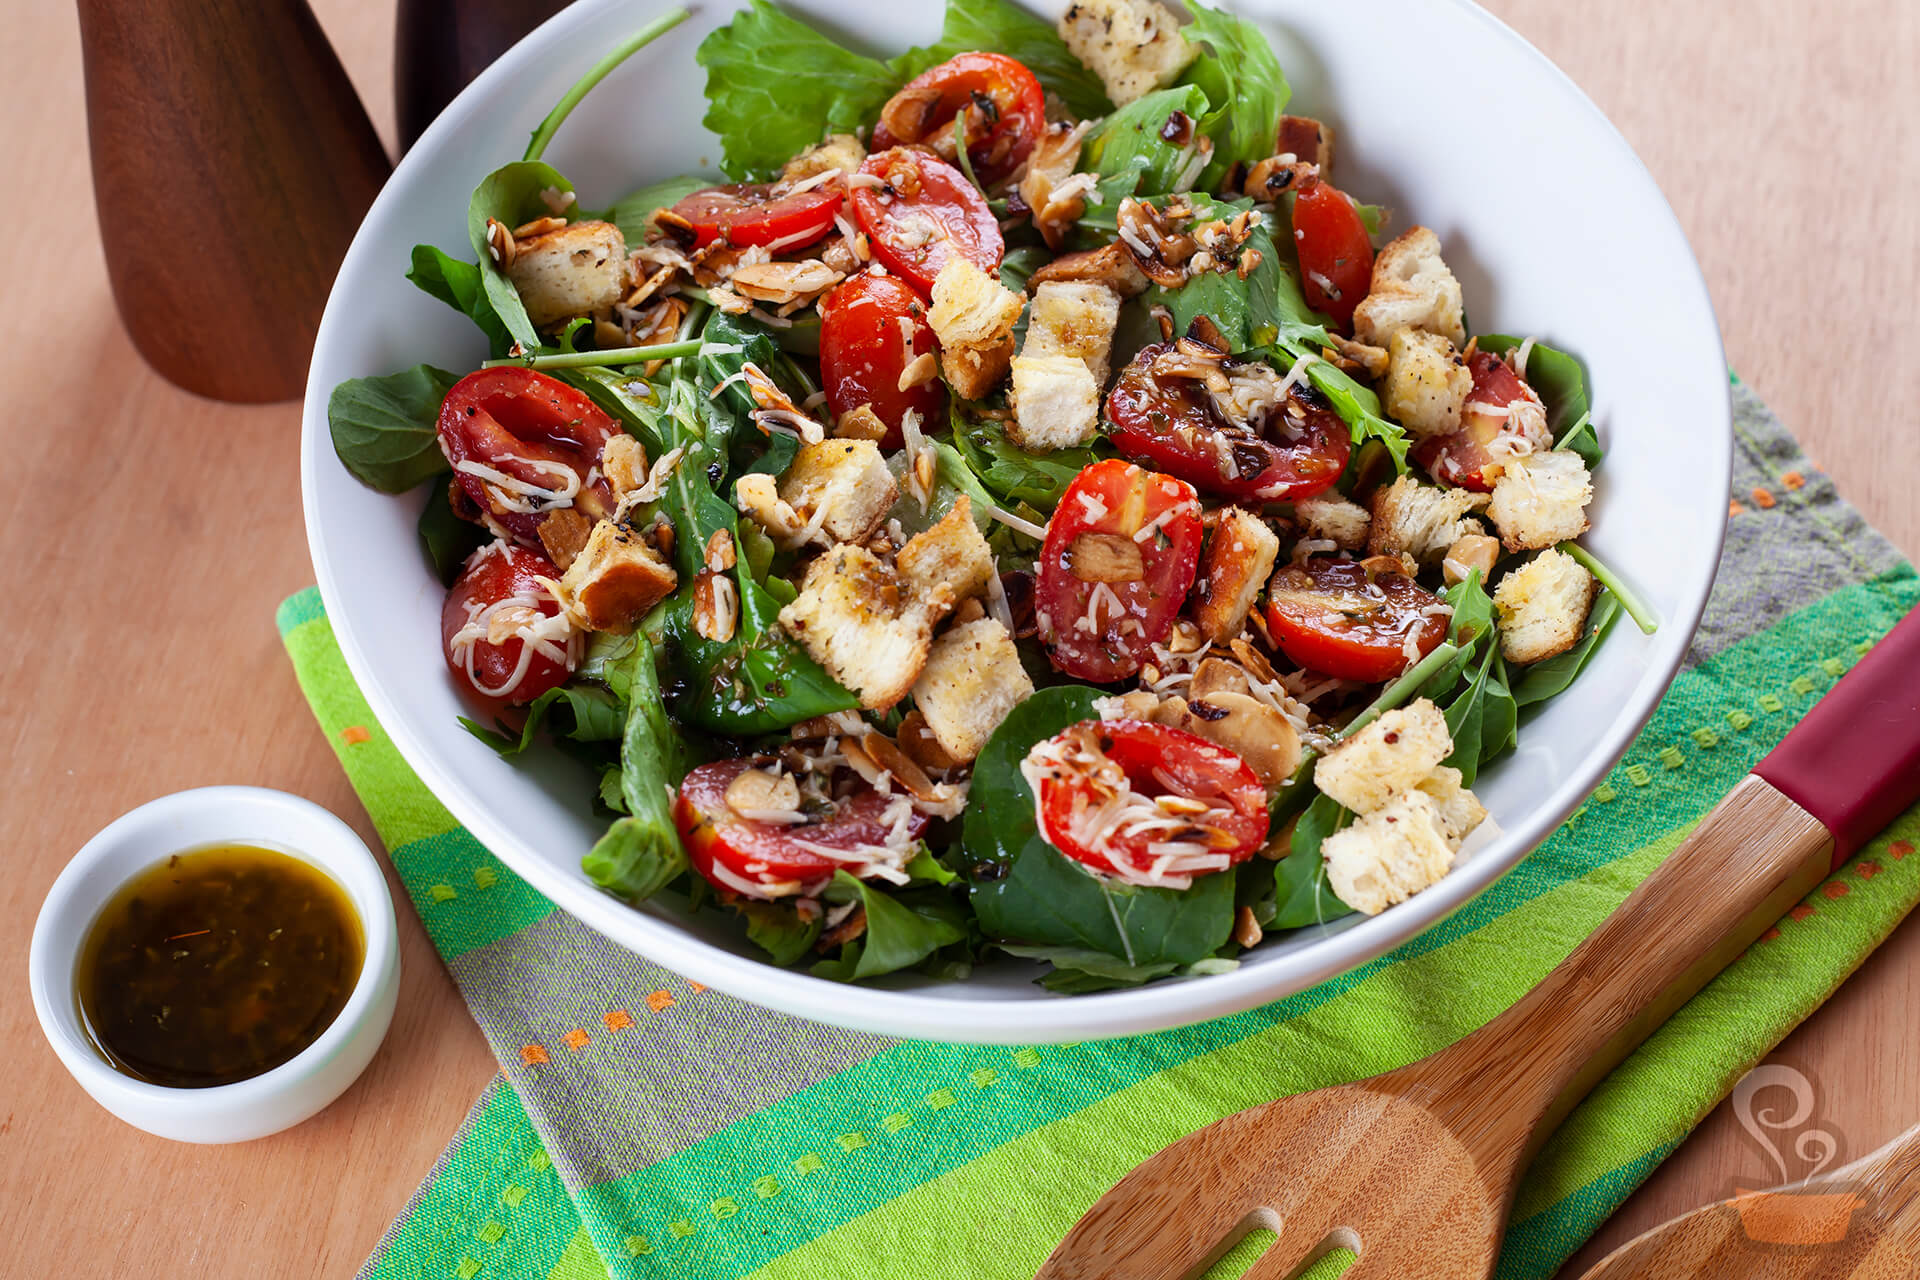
x=778, y=929
x=1304, y=896
x=1127, y=144
x=641, y=854
x=1243, y=82
x=589, y=714
x=386, y=430
x=1547, y=679
x=1267, y=298
x=632, y=212
x=1014, y=474
x=1467, y=718
x=903, y=928
x=544, y=131
x=1561, y=382
x=511, y=195
x=1019, y=264
x=457, y=283
x=445, y=537
x=1471, y=625
x=1000, y=27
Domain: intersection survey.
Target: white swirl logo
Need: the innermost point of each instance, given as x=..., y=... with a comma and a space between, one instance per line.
x=1816, y=1147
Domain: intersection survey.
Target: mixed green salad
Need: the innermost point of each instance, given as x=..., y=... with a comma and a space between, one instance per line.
x=1023, y=506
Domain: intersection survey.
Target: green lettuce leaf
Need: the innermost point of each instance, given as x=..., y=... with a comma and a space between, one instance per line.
x=1304, y=897
x=457, y=283
x=582, y=712
x=1243, y=82
x=631, y=212
x=386, y=429
x=641, y=853
x=1010, y=472
x=1128, y=145
x=445, y=537
x=904, y=927
x=1547, y=679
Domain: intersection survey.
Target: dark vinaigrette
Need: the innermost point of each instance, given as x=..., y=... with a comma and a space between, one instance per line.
x=218, y=964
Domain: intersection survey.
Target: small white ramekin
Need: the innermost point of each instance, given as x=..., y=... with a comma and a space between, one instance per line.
x=276, y=1099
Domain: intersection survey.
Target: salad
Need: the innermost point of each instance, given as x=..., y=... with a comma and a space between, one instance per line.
x=1025, y=506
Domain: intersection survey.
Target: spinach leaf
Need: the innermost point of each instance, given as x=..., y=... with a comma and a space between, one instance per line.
x=1243, y=82
x=1014, y=474
x=1470, y=625
x=1304, y=896
x=1019, y=264
x=777, y=929
x=1128, y=144
x=903, y=928
x=1077, y=971
x=447, y=539
x=632, y=212
x=1025, y=891
x=457, y=283
x=386, y=430
x=1546, y=679
x=641, y=854
x=1001, y=27
x=585, y=713
x=732, y=342
x=511, y=195
x=1561, y=382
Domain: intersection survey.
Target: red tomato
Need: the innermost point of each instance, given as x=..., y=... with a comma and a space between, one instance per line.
x=749, y=213
x=500, y=590
x=539, y=433
x=771, y=858
x=1006, y=112
x=1079, y=773
x=925, y=213
x=1351, y=618
x=1336, y=254
x=1173, y=423
x=1466, y=458
x=871, y=328
x=1102, y=627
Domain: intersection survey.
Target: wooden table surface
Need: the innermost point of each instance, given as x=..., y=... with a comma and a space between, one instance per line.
x=142, y=595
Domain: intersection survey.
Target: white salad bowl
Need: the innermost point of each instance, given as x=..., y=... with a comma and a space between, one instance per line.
x=1567, y=238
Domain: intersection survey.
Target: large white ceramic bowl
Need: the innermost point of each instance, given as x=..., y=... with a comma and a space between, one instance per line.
x=1565, y=236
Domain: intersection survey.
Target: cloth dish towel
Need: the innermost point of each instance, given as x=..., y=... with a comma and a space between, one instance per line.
x=646, y=1127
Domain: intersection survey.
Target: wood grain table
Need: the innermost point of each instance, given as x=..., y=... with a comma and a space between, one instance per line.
x=149, y=536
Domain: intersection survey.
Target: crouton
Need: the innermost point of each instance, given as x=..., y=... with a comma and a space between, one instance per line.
x=563, y=533
x=1420, y=519
x=948, y=563
x=1307, y=140
x=1056, y=403
x=624, y=463
x=973, y=315
x=1110, y=265
x=1261, y=736
x=1470, y=552
x=1541, y=499
x=1238, y=561
x=1134, y=46
x=1388, y=855
x=1331, y=517
x=1459, y=809
x=852, y=616
x=972, y=679
x=758, y=495
x=846, y=479
x=614, y=580
x=1412, y=289
x=577, y=270
x=1427, y=382
x=1073, y=318
x=1388, y=756
x=840, y=153
x=1542, y=606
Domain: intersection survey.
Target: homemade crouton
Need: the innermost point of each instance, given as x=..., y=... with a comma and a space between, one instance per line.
x=624, y=463
x=1056, y=403
x=1238, y=561
x=1459, y=809
x=1331, y=517
x=614, y=580
x=564, y=533
x=972, y=679
x=846, y=479
x=758, y=494
x=1469, y=552
x=1388, y=756
x=855, y=620
x=1261, y=736
x=1542, y=606
x=973, y=315
x=1073, y=318
x=1110, y=265
x=1420, y=519
x=577, y=270
x=948, y=563
x=1388, y=855
x=1412, y=289
x=1541, y=499
x=1134, y=46
x=1427, y=382
x=1307, y=140
x=841, y=152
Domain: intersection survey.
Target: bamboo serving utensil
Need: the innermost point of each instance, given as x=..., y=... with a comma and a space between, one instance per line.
x=1415, y=1170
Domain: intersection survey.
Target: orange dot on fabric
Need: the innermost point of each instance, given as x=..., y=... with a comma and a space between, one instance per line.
x=1900, y=849
x=695, y=986
x=1801, y=912
x=353, y=735
x=1793, y=480
x=1835, y=890
x=1734, y=508
x=658, y=1001
x=1868, y=870
x=532, y=1054
x=576, y=1039
x=618, y=1020
x=1770, y=934
x=1761, y=498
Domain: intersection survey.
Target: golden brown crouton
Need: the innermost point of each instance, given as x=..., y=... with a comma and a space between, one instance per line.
x=1334, y=519
x=1387, y=757
x=1389, y=854
x=1134, y=46
x=1420, y=520
x=841, y=153
x=1412, y=289
x=948, y=563
x=1238, y=561
x=853, y=617
x=1056, y=403
x=846, y=479
x=564, y=533
x=1073, y=318
x=1459, y=809
x=973, y=315
x=1541, y=499
x=1110, y=265
x=972, y=679
x=1427, y=382
x=614, y=580
x=624, y=462
x=577, y=270
x=1542, y=606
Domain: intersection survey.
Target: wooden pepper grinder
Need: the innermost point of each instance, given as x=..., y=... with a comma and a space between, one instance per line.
x=232, y=162
x=439, y=46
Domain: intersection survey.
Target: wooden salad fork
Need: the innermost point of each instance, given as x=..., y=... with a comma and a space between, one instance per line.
x=1859, y=1222
x=1415, y=1170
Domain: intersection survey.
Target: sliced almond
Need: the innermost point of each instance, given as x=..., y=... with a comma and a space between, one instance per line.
x=758, y=791
x=861, y=424
x=886, y=753
x=782, y=282
x=1246, y=930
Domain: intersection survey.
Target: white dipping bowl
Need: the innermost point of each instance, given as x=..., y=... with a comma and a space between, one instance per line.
x=1562, y=234
x=273, y=1100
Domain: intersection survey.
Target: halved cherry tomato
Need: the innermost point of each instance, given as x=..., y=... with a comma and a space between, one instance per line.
x=1081, y=771
x=1336, y=254
x=1108, y=591
x=1351, y=618
x=498, y=591
x=924, y=213
x=522, y=445
x=871, y=328
x=1292, y=451
x=1006, y=112
x=772, y=857
x=750, y=213
x=1466, y=458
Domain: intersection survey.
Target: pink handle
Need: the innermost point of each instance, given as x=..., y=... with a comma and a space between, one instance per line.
x=1854, y=762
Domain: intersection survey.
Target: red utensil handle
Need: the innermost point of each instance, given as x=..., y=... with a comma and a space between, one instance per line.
x=1854, y=762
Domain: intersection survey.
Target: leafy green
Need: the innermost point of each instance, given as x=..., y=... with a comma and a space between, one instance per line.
x=1547, y=679
x=1018, y=264
x=1304, y=896
x=1078, y=971
x=1267, y=298
x=1561, y=383
x=1245, y=88
x=457, y=283
x=641, y=853
x=1014, y=474
x=386, y=429
x=447, y=539
x=731, y=343
x=903, y=928
x=631, y=212
x=778, y=929
x=1000, y=27
x=582, y=712
x=511, y=195
x=1482, y=719
x=1127, y=144
x=1471, y=623
x=1639, y=610
x=544, y=131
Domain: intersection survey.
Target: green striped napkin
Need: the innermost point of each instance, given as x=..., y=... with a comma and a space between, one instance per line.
x=647, y=1127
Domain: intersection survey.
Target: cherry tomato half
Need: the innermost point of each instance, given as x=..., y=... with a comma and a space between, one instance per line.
x=1108, y=591
x=1006, y=112
x=1079, y=773
x=499, y=592
x=1351, y=618
x=771, y=858
x=1336, y=254
x=925, y=213
x=522, y=445
x=750, y=213
x=871, y=328
x=1291, y=451
x=1467, y=457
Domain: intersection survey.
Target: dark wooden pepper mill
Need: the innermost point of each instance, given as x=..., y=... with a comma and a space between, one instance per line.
x=232, y=162
x=439, y=46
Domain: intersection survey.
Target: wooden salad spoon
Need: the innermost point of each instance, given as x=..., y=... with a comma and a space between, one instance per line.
x=1860, y=1222
x=1415, y=1170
